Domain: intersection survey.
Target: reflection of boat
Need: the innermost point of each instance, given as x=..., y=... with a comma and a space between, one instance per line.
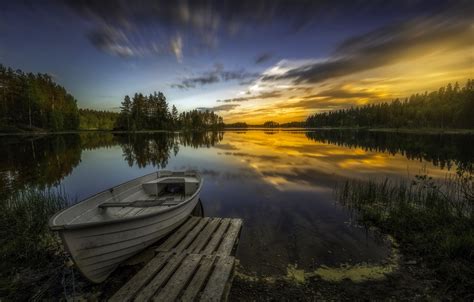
x=107, y=228
x=198, y=210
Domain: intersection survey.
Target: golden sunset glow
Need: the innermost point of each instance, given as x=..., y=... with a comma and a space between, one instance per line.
x=412, y=75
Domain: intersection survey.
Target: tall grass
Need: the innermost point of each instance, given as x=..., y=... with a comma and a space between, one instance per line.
x=25, y=239
x=433, y=221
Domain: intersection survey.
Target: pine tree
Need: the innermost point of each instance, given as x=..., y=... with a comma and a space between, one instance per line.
x=174, y=116
x=126, y=109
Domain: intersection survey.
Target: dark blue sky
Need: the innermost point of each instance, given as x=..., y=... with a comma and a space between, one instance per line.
x=245, y=58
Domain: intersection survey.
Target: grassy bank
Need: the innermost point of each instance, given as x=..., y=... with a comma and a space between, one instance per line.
x=433, y=222
x=28, y=249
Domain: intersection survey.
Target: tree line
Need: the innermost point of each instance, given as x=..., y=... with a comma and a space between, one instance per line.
x=153, y=112
x=451, y=106
x=97, y=119
x=34, y=101
x=30, y=100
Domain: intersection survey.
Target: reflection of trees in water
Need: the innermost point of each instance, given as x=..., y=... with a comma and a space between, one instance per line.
x=155, y=148
x=45, y=160
x=200, y=139
x=94, y=140
x=442, y=150
x=41, y=161
x=147, y=148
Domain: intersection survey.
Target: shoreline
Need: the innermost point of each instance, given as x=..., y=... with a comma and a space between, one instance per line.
x=429, y=131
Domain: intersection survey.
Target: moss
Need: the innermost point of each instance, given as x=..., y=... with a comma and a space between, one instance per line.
x=295, y=274
x=356, y=273
x=241, y=274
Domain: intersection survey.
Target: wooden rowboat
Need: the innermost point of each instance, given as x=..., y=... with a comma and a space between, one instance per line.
x=103, y=230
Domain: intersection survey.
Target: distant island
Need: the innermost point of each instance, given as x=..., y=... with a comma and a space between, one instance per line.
x=34, y=102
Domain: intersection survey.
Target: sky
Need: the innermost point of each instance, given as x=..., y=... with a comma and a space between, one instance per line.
x=249, y=61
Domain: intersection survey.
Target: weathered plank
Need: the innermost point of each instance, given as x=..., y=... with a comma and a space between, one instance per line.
x=228, y=242
x=129, y=290
x=217, y=237
x=179, y=279
x=191, y=235
x=204, y=236
x=177, y=236
x=197, y=283
x=217, y=283
x=149, y=290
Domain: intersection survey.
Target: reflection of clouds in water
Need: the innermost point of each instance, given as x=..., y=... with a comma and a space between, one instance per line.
x=240, y=174
x=225, y=147
x=252, y=156
x=290, y=161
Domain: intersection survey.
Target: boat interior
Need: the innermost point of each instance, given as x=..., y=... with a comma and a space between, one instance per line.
x=145, y=195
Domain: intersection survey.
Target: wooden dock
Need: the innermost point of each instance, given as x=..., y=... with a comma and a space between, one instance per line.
x=193, y=264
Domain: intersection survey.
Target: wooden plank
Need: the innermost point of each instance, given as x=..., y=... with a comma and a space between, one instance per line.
x=191, y=235
x=176, y=237
x=149, y=290
x=204, y=236
x=217, y=283
x=131, y=288
x=227, y=244
x=197, y=283
x=179, y=279
x=217, y=237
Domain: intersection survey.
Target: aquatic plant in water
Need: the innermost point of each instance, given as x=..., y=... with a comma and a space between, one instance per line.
x=432, y=220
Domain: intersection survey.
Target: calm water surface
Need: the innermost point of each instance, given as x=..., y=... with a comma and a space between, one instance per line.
x=280, y=182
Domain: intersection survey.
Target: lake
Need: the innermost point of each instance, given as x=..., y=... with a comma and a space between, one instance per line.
x=280, y=182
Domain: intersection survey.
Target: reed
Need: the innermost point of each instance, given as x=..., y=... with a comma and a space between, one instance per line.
x=433, y=221
x=25, y=239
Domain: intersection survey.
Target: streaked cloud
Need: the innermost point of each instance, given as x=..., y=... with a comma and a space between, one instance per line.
x=226, y=107
x=217, y=74
x=112, y=41
x=344, y=93
x=176, y=46
x=264, y=95
x=263, y=57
